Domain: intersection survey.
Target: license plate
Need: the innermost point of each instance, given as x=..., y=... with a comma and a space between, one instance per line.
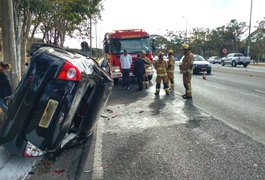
x=48, y=113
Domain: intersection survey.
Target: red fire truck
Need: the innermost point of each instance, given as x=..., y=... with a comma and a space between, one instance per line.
x=135, y=41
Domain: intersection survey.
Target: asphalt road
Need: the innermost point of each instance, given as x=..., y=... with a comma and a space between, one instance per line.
x=217, y=135
x=234, y=95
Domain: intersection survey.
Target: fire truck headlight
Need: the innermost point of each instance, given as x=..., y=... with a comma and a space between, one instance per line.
x=116, y=69
x=150, y=68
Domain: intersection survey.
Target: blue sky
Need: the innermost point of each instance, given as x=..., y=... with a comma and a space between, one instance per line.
x=157, y=16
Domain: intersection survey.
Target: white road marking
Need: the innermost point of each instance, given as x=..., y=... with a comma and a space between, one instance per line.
x=263, y=92
x=97, y=173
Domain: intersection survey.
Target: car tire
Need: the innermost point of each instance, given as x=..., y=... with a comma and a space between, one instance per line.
x=234, y=63
x=209, y=72
x=222, y=63
x=245, y=65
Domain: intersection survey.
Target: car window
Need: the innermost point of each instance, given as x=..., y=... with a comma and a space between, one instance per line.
x=238, y=55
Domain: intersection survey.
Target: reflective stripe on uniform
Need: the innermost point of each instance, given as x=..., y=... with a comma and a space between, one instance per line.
x=161, y=75
x=160, y=68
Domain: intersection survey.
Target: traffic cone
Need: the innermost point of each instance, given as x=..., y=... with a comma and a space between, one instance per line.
x=203, y=76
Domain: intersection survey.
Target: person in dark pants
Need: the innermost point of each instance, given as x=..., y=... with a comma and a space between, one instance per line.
x=5, y=88
x=139, y=71
x=126, y=62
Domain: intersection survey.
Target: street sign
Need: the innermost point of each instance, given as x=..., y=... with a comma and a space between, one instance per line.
x=225, y=51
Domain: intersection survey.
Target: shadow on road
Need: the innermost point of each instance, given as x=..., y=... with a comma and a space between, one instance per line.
x=193, y=114
x=157, y=105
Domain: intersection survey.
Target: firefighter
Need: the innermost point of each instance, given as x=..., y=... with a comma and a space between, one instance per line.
x=161, y=71
x=171, y=69
x=148, y=62
x=187, y=70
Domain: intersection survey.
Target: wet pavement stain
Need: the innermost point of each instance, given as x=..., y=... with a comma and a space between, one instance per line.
x=194, y=123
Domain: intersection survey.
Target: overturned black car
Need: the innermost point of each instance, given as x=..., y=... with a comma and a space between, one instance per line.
x=57, y=102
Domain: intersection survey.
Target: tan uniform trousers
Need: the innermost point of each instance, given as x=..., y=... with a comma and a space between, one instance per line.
x=159, y=79
x=187, y=84
x=170, y=76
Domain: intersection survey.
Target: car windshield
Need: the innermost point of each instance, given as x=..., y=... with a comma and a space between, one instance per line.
x=198, y=58
x=132, y=45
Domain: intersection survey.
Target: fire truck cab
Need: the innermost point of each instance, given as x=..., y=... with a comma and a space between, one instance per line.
x=135, y=41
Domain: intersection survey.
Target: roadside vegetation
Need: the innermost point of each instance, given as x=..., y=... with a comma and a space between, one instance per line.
x=211, y=42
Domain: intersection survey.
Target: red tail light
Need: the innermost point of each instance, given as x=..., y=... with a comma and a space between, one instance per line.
x=69, y=72
x=32, y=151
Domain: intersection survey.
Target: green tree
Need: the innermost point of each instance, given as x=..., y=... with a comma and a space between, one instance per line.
x=233, y=32
x=54, y=18
x=257, y=50
x=199, y=40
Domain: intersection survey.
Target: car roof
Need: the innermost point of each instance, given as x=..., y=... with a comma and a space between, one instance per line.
x=195, y=56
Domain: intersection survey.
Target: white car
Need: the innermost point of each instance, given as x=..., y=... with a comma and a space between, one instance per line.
x=199, y=64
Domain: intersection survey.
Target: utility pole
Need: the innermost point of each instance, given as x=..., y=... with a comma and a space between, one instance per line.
x=186, y=29
x=248, y=41
x=96, y=36
x=90, y=34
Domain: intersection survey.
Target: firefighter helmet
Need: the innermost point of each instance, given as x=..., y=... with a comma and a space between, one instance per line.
x=170, y=52
x=186, y=47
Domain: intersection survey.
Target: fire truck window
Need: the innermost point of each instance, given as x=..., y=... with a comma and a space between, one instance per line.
x=115, y=46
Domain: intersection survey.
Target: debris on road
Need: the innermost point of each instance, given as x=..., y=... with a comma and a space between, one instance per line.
x=58, y=171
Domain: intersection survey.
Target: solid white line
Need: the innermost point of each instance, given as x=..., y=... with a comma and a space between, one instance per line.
x=97, y=173
x=260, y=91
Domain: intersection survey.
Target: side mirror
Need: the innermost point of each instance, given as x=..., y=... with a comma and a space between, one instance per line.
x=106, y=47
x=104, y=63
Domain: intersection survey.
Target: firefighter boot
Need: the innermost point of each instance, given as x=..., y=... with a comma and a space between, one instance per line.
x=157, y=92
x=146, y=84
x=167, y=92
x=172, y=87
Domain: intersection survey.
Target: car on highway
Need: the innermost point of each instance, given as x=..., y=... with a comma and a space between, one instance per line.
x=235, y=59
x=214, y=59
x=199, y=65
x=57, y=103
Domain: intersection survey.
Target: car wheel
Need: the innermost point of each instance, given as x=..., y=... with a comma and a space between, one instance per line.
x=222, y=63
x=234, y=63
x=209, y=72
x=245, y=65
x=213, y=62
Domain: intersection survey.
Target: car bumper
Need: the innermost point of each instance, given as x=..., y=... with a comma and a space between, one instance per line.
x=200, y=69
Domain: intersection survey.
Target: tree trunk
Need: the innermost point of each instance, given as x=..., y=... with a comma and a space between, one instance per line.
x=25, y=33
x=17, y=30
x=9, y=48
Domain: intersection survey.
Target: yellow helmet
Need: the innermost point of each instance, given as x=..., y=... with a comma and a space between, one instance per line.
x=186, y=47
x=170, y=51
